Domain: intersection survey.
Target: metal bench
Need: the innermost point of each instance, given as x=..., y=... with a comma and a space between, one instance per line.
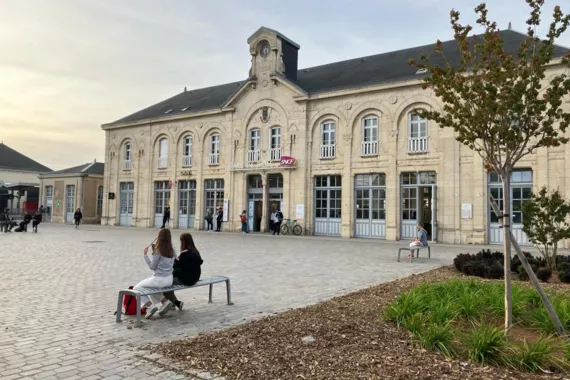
x=148, y=291
x=412, y=249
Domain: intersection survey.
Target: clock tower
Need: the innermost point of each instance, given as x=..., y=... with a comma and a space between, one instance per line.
x=272, y=53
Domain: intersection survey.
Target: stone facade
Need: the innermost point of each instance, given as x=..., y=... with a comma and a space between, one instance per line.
x=449, y=195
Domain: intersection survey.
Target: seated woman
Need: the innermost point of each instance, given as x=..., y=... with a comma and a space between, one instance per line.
x=420, y=240
x=161, y=263
x=187, y=271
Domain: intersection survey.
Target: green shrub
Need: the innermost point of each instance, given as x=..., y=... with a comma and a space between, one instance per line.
x=404, y=307
x=480, y=268
x=564, y=272
x=442, y=312
x=495, y=271
x=540, y=319
x=460, y=260
x=469, y=305
x=438, y=337
x=561, y=259
x=544, y=274
x=416, y=323
x=532, y=356
x=523, y=276
x=485, y=343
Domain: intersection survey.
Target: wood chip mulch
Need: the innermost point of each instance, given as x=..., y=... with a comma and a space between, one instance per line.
x=351, y=342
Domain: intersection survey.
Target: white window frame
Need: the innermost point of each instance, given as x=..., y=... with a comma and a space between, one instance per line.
x=417, y=143
x=328, y=139
x=162, y=162
x=254, y=145
x=127, y=162
x=214, y=155
x=187, y=143
x=369, y=146
x=275, y=144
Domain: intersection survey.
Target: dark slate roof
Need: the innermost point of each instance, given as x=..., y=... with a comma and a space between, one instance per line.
x=90, y=168
x=10, y=159
x=376, y=69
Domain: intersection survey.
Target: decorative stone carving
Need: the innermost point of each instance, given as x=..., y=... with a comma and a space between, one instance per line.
x=393, y=99
x=293, y=127
x=264, y=83
x=348, y=106
x=142, y=132
x=347, y=137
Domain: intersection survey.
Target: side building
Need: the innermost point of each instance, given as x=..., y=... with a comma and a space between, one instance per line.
x=19, y=185
x=337, y=147
x=63, y=191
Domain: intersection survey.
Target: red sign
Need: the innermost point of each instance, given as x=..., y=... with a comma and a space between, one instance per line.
x=287, y=161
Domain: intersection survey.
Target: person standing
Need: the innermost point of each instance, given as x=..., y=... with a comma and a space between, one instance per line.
x=77, y=217
x=272, y=219
x=166, y=217
x=243, y=219
x=219, y=220
x=277, y=222
x=210, y=220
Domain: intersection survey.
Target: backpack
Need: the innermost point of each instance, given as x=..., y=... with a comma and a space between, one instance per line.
x=130, y=304
x=280, y=216
x=243, y=218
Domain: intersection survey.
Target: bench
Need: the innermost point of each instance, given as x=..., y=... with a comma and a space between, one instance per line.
x=148, y=291
x=412, y=249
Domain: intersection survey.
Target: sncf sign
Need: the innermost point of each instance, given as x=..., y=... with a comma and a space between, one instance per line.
x=287, y=161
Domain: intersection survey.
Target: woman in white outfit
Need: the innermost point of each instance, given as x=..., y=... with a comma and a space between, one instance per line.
x=161, y=263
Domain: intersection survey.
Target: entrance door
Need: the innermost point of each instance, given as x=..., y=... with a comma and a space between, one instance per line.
x=161, y=201
x=418, y=196
x=328, y=202
x=370, y=203
x=69, y=203
x=186, y=204
x=126, y=198
x=48, y=202
x=521, y=188
x=214, y=196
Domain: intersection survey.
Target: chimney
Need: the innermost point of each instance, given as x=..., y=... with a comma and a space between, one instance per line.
x=509, y=25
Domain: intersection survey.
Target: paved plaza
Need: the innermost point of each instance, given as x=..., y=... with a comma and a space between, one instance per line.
x=58, y=292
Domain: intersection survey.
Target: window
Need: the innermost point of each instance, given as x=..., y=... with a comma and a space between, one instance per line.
x=214, y=156
x=328, y=197
x=162, y=153
x=275, y=144
x=417, y=134
x=253, y=154
x=187, y=151
x=127, y=162
x=370, y=196
x=521, y=188
x=49, y=191
x=100, y=200
x=369, y=136
x=328, y=139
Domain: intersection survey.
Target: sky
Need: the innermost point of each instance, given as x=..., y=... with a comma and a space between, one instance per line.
x=66, y=67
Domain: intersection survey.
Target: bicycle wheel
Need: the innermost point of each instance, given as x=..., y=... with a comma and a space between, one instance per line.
x=284, y=229
x=297, y=230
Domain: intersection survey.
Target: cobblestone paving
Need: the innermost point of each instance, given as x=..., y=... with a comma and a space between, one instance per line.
x=58, y=292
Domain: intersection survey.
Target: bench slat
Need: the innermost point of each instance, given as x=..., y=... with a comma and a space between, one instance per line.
x=150, y=291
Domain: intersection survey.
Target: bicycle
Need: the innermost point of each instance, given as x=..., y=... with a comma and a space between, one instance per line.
x=291, y=225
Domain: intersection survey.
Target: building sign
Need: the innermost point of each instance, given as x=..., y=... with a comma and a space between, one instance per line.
x=58, y=204
x=111, y=196
x=300, y=211
x=285, y=163
x=466, y=211
x=186, y=173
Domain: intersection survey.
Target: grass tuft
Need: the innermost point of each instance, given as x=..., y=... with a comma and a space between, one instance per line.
x=438, y=337
x=533, y=356
x=485, y=344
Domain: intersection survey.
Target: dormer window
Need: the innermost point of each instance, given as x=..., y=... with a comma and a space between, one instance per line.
x=168, y=110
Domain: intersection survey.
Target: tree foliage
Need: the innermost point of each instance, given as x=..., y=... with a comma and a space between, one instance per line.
x=501, y=105
x=546, y=222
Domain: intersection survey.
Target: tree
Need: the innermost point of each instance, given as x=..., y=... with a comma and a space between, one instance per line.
x=546, y=222
x=501, y=105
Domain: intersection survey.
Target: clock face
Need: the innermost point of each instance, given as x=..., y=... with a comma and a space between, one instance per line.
x=265, y=50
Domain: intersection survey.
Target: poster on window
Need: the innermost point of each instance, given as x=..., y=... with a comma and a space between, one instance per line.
x=300, y=211
x=226, y=208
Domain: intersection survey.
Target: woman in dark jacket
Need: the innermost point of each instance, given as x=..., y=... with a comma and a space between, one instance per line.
x=77, y=216
x=187, y=271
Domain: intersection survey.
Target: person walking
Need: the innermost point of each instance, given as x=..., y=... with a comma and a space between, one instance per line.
x=210, y=220
x=77, y=217
x=219, y=220
x=187, y=271
x=166, y=217
x=277, y=222
x=243, y=219
x=161, y=264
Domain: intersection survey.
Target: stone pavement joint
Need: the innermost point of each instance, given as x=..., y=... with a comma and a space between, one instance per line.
x=73, y=285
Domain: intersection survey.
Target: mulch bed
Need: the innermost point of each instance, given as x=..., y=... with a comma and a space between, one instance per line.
x=351, y=342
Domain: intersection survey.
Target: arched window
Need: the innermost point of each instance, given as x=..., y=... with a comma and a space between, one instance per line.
x=214, y=156
x=369, y=145
x=417, y=134
x=328, y=139
x=128, y=154
x=187, y=151
x=275, y=144
x=254, y=148
x=163, y=153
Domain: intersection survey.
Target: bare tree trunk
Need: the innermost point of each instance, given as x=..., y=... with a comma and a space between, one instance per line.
x=506, y=220
x=553, y=316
